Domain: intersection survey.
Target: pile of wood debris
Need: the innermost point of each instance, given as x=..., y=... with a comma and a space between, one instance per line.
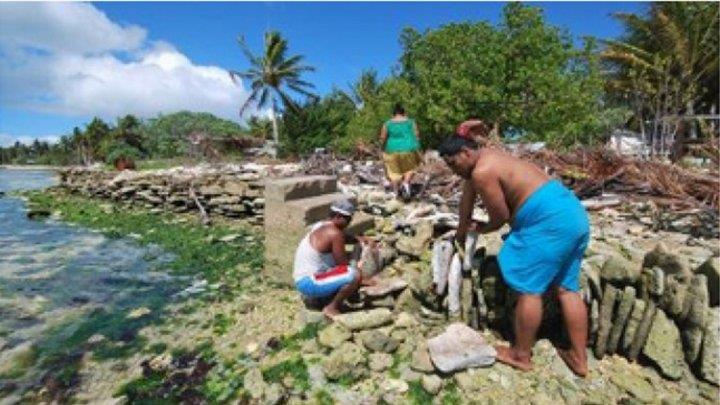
x=590, y=173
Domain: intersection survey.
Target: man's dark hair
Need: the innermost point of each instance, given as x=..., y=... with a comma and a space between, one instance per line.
x=398, y=109
x=454, y=144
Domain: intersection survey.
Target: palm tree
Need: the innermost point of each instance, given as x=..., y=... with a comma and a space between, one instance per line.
x=271, y=76
x=667, y=63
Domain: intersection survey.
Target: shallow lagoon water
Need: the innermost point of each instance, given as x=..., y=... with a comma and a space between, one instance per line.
x=53, y=274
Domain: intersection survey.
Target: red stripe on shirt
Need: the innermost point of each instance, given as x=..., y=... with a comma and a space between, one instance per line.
x=335, y=271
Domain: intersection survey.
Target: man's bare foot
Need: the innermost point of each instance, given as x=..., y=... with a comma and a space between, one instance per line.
x=330, y=312
x=507, y=355
x=579, y=367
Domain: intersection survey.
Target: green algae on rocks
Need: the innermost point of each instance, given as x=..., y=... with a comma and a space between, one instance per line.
x=198, y=250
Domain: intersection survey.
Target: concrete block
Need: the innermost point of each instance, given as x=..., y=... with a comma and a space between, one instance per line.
x=291, y=206
x=295, y=188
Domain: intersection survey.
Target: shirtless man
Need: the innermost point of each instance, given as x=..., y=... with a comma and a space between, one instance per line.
x=321, y=267
x=549, y=235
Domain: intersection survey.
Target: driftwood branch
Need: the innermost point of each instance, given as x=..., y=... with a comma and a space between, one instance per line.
x=203, y=214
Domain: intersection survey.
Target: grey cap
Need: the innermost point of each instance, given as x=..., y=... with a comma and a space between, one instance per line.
x=343, y=207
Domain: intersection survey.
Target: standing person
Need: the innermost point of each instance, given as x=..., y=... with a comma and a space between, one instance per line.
x=544, y=249
x=400, y=140
x=321, y=269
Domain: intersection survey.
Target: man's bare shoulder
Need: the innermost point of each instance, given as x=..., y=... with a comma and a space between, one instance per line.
x=486, y=169
x=331, y=231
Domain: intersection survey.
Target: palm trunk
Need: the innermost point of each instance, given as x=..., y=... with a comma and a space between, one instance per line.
x=276, y=136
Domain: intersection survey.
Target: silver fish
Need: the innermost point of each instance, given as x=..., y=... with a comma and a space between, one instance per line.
x=470, y=247
x=440, y=261
x=454, y=282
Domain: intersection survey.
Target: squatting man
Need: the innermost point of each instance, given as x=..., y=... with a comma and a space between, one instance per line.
x=321, y=270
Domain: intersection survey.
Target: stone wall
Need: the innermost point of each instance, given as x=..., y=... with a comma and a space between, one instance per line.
x=231, y=191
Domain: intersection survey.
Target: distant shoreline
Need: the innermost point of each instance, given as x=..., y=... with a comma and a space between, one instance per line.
x=28, y=167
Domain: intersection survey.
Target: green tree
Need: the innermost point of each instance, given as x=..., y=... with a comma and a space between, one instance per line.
x=260, y=127
x=167, y=135
x=272, y=75
x=128, y=131
x=523, y=75
x=666, y=64
x=317, y=124
x=95, y=133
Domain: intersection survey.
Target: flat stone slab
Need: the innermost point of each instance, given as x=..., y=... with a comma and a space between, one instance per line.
x=460, y=347
x=365, y=319
x=384, y=287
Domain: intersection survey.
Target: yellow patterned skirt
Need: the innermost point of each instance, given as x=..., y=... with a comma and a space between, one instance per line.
x=399, y=163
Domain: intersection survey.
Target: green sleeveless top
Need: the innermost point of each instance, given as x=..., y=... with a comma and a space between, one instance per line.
x=401, y=136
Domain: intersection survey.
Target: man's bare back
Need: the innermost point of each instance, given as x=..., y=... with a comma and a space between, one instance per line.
x=504, y=182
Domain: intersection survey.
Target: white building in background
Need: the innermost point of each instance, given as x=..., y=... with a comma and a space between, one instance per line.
x=626, y=142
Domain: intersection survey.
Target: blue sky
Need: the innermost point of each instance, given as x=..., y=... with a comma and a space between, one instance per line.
x=63, y=63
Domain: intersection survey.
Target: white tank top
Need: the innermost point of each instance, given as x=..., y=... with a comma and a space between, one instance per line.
x=309, y=261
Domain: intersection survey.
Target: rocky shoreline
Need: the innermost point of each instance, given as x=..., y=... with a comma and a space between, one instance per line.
x=653, y=296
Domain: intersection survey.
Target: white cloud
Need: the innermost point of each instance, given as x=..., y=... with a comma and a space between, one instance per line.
x=70, y=59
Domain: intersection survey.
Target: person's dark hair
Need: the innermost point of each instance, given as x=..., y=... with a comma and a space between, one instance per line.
x=451, y=146
x=398, y=109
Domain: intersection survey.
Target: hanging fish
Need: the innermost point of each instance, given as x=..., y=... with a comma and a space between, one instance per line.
x=454, y=282
x=440, y=261
x=470, y=247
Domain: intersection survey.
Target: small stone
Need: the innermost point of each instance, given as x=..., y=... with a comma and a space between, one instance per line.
x=421, y=359
x=254, y=383
x=347, y=360
x=160, y=363
x=400, y=334
x=365, y=319
x=382, y=302
x=627, y=299
x=673, y=299
x=393, y=385
x=632, y=324
x=619, y=270
x=333, y=335
x=384, y=287
x=431, y=383
x=653, y=282
x=460, y=347
x=405, y=320
x=670, y=263
x=711, y=270
x=253, y=350
x=643, y=330
x=377, y=341
x=594, y=315
x=229, y=238
x=316, y=375
x=664, y=347
x=710, y=355
x=407, y=301
x=138, y=313
x=380, y=361
x=274, y=394
x=696, y=305
x=635, y=385
x=605, y=321
x=415, y=245
x=468, y=382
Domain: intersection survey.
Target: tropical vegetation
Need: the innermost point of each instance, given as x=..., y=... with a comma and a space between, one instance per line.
x=526, y=77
